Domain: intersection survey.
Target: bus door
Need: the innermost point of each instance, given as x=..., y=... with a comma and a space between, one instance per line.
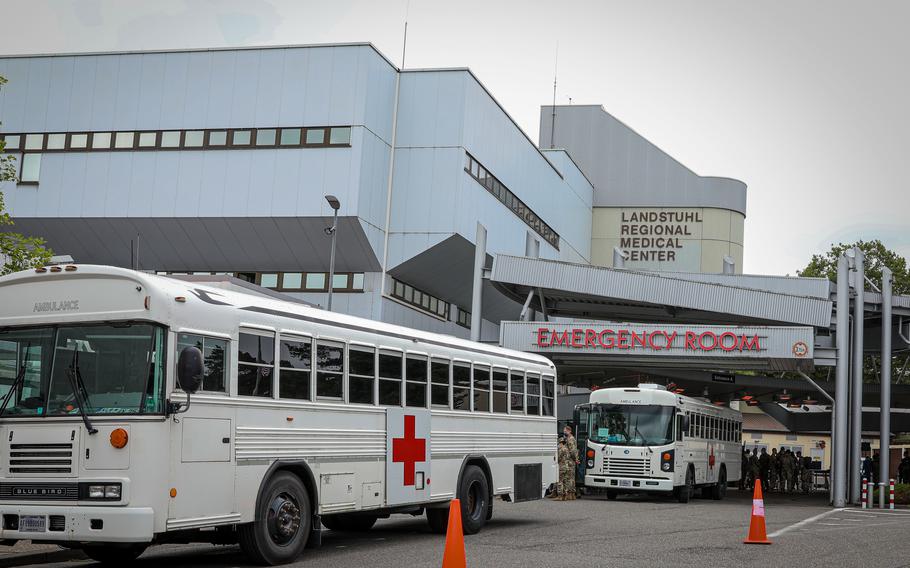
x=407, y=456
x=202, y=470
x=580, y=419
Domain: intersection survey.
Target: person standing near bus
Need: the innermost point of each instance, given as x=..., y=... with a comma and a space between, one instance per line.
x=566, y=485
x=903, y=470
x=572, y=444
x=764, y=469
x=744, y=471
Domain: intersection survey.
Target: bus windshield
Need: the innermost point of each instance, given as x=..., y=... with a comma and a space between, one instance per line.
x=111, y=368
x=630, y=425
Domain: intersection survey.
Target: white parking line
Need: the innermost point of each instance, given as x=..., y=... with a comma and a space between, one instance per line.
x=803, y=523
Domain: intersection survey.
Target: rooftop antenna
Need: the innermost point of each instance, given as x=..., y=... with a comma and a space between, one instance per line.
x=404, y=47
x=553, y=113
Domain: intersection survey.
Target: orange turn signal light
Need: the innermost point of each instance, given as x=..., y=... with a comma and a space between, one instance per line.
x=590, y=453
x=119, y=438
x=666, y=456
x=173, y=492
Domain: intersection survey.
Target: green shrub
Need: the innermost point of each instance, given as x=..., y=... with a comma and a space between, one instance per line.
x=901, y=494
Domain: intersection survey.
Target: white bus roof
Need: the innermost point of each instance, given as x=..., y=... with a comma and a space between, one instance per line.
x=205, y=299
x=656, y=396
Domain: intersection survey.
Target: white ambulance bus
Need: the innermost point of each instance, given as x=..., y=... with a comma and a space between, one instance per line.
x=647, y=439
x=139, y=409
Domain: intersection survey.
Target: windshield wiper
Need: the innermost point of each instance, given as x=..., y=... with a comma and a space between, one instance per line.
x=75, y=379
x=20, y=377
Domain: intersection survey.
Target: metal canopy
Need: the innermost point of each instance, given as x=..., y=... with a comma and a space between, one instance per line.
x=578, y=290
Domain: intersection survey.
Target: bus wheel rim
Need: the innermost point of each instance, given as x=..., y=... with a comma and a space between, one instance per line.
x=283, y=519
x=474, y=500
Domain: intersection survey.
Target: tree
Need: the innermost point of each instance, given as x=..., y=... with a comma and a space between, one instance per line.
x=17, y=251
x=877, y=256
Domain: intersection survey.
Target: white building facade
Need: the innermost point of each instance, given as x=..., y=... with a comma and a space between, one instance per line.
x=218, y=161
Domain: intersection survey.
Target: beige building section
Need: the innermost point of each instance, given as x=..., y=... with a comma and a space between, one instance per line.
x=701, y=248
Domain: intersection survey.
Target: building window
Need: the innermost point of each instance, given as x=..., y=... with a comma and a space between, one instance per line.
x=500, y=391
x=124, y=140
x=439, y=383
x=418, y=299
x=78, y=141
x=30, y=168
x=148, y=139
x=361, y=374
x=170, y=139
x=295, y=365
x=214, y=357
x=193, y=138
x=34, y=141
x=502, y=193
x=255, y=365
x=265, y=137
x=12, y=142
x=291, y=280
x=217, y=138
x=415, y=388
x=390, y=378
x=101, y=141
x=464, y=318
x=461, y=386
x=481, y=389
x=290, y=137
x=56, y=141
x=340, y=136
x=268, y=280
x=315, y=280
x=329, y=369
x=241, y=138
x=315, y=136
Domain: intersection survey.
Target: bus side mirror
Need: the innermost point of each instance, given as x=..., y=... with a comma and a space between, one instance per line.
x=190, y=369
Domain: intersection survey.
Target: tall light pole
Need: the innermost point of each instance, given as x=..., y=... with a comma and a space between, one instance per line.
x=333, y=231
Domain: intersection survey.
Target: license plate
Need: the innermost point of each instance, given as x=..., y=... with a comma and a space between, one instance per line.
x=32, y=523
x=625, y=483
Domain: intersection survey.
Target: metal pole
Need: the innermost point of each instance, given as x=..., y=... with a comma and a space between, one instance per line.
x=839, y=441
x=480, y=259
x=332, y=260
x=856, y=397
x=619, y=257
x=532, y=250
x=884, y=446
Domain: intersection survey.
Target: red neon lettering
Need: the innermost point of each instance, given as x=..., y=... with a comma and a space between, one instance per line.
x=725, y=335
x=622, y=339
x=642, y=339
x=559, y=339
x=750, y=344
x=671, y=337
x=690, y=340
x=701, y=341
x=541, y=334
x=577, y=337
x=600, y=339
x=590, y=338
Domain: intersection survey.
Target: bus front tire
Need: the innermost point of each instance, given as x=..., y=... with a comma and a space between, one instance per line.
x=719, y=491
x=684, y=493
x=282, y=526
x=114, y=554
x=474, y=493
x=349, y=522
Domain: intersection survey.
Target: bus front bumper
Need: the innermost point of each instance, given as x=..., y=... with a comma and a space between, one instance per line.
x=627, y=483
x=76, y=524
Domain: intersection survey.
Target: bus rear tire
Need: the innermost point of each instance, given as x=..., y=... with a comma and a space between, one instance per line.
x=684, y=493
x=282, y=528
x=474, y=494
x=114, y=554
x=719, y=491
x=349, y=522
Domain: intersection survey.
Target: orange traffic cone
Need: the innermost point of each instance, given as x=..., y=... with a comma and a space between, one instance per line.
x=454, y=555
x=757, y=534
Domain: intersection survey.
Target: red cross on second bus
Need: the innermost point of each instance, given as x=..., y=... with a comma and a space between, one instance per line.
x=409, y=450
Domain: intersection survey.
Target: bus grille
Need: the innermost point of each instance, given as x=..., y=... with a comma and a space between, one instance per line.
x=39, y=491
x=626, y=467
x=41, y=458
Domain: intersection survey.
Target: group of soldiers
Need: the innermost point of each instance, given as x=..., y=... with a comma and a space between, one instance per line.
x=782, y=471
x=567, y=458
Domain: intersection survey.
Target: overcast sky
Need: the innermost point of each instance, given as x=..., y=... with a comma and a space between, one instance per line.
x=805, y=101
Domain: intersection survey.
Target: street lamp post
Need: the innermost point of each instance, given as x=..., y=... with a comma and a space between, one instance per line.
x=333, y=231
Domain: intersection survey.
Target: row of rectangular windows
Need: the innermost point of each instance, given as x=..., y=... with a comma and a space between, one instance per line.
x=237, y=138
x=296, y=281
x=714, y=428
x=420, y=299
x=502, y=193
x=303, y=368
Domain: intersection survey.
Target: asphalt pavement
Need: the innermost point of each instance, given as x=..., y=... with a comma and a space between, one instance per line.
x=591, y=532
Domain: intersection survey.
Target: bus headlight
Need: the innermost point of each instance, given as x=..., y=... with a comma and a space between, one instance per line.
x=666, y=466
x=100, y=491
x=590, y=464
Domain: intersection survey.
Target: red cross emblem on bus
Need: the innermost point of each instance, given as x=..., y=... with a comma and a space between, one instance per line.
x=711, y=458
x=409, y=450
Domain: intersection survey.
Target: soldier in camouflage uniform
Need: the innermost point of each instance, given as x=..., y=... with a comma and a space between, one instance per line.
x=754, y=471
x=774, y=472
x=788, y=467
x=566, y=471
x=806, y=476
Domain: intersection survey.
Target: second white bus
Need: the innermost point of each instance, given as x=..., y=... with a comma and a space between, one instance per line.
x=647, y=439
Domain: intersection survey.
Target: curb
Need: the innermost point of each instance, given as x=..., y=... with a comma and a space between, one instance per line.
x=26, y=558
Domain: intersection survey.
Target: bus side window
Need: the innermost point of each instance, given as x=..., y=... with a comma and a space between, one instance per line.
x=517, y=392
x=390, y=378
x=500, y=391
x=439, y=388
x=255, y=364
x=549, y=395
x=481, y=388
x=295, y=363
x=214, y=353
x=533, y=390
x=461, y=386
x=415, y=388
x=361, y=374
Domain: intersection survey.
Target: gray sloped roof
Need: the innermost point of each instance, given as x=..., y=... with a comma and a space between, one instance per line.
x=592, y=291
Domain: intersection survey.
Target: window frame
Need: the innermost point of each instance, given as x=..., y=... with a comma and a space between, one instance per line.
x=463, y=364
x=417, y=355
x=396, y=352
x=235, y=388
x=333, y=342
x=296, y=338
x=374, y=384
x=228, y=362
x=448, y=384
